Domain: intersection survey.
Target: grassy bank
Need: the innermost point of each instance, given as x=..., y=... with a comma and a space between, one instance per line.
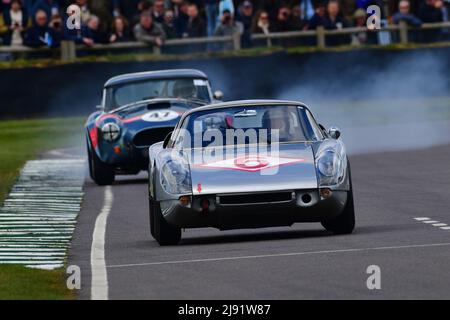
x=22, y=140
x=21, y=283
x=258, y=51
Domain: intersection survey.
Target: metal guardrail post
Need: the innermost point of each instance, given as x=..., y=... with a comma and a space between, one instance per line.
x=236, y=41
x=321, y=37
x=68, y=51
x=156, y=50
x=403, y=30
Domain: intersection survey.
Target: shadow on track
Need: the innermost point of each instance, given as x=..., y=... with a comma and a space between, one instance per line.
x=269, y=236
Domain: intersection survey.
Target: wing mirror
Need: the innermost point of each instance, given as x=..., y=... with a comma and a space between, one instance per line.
x=334, y=132
x=218, y=95
x=167, y=140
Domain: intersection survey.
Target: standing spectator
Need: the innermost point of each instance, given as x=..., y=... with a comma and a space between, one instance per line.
x=85, y=10
x=56, y=24
x=297, y=18
x=261, y=23
x=129, y=9
x=92, y=31
x=318, y=18
x=245, y=16
x=181, y=17
x=158, y=11
x=334, y=20
x=211, y=9
x=284, y=21
x=120, y=31
x=431, y=11
x=404, y=14
x=196, y=26
x=148, y=31
x=307, y=9
x=168, y=25
x=142, y=6
x=40, y=34
x=4, y=30
x=359, y=20
x=228, y=27
x=224, y=5
x=16, y=20
x=49, y=6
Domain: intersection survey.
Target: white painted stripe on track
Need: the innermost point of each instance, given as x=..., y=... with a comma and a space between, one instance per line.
x=99, y=284
x=446, y=244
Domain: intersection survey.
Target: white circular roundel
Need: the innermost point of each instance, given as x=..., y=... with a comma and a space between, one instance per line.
x=160, y=115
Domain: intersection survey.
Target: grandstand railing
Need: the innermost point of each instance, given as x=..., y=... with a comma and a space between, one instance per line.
x=68, y=50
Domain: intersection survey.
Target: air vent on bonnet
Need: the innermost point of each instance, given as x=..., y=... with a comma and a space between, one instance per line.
x=159, y=105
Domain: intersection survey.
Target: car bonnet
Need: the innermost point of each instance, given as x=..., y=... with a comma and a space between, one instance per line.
x=289, y=167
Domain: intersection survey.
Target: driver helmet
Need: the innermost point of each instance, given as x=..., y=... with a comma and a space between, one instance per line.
x=273, y=115
x=184, y=88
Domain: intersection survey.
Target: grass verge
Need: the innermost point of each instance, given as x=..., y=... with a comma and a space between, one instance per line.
x=22, y=140
x=22, y=283
x=257, y=51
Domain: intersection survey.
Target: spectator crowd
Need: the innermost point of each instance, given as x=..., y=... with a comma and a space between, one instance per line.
x=37, y=23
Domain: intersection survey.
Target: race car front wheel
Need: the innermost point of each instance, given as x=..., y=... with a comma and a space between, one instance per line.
x=100, y=172
x=345, y=222
x=163, y=232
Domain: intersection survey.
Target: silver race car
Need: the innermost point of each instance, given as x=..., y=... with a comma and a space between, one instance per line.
x=249, y=164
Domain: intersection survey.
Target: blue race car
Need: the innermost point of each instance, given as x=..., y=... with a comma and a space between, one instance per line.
x=138, y=110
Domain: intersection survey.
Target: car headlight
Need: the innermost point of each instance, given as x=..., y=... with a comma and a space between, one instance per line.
x=110, y=131
x=330, y=168
x=175, y=176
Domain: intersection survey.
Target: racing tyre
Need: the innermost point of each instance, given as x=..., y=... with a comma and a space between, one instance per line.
x=90, y=162
x=151, y=216
x=345, y=222
x=100, y=172
x=164, y=233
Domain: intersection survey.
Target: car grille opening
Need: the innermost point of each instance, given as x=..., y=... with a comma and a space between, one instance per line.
x=256, y=198
x=148, y=137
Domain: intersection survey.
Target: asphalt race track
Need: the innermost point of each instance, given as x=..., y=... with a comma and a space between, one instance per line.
x=300, y=262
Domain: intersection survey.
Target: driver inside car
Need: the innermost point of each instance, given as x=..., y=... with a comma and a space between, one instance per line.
x=275, y=119
x=184, y=88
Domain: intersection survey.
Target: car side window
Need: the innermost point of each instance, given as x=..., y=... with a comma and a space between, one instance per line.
x=314, y=126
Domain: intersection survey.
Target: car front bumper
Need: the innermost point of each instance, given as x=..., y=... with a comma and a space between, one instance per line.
x=253, y=215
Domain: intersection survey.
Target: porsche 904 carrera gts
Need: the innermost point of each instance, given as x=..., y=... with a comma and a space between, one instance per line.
x=249, y=164
x=138, y=110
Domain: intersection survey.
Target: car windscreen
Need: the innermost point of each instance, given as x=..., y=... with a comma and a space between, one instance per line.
x=187, y=88
x=256, y=124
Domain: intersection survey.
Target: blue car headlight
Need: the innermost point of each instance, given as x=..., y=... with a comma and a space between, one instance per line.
x=330, y=167
x=175, y=176
x=110, y=131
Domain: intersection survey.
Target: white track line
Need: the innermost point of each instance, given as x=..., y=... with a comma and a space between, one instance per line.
x=99, y=285
x=439, y=224
x=280, y=255
x=434, y=223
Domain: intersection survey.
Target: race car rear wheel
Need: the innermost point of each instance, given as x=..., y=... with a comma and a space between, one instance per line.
x=151, y=217
x=101, y=173
x=345, y=222
x=163, y=232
